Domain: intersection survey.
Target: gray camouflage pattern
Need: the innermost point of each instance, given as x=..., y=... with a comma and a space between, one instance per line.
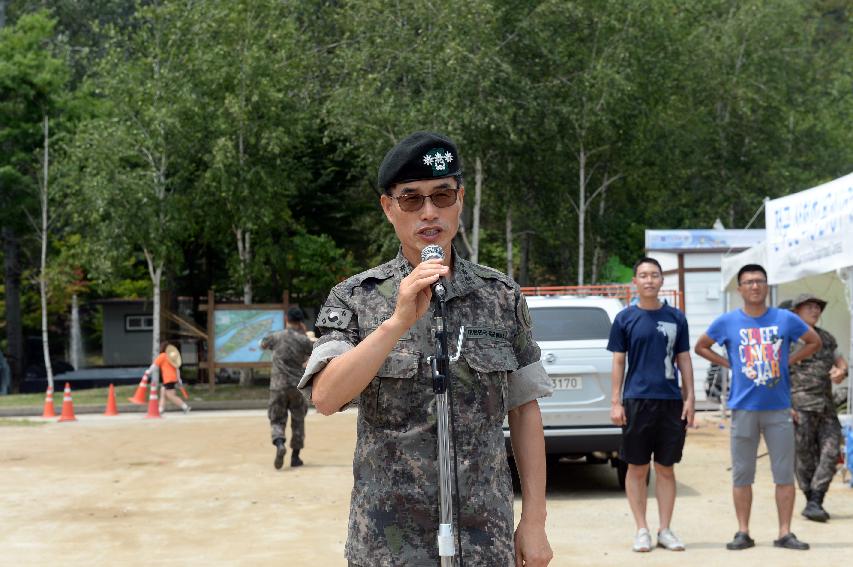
x=282, y=402
x=818, y=436
x=290, y=350
x=811, y=388
x=394, y=508
x=818, y=431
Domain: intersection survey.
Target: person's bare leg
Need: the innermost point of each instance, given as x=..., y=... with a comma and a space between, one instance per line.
x=665, y=492
x=637, y=492
x=174, y=398
x=162, y=400
x=785, y=494
x=742, y=496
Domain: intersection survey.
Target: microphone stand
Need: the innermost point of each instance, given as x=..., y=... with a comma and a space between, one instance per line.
x=440, y=365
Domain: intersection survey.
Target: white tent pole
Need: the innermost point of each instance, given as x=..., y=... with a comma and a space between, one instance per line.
x=724, y=372
x=850, y=307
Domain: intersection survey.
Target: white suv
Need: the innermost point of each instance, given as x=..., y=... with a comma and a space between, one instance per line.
x=572, y=333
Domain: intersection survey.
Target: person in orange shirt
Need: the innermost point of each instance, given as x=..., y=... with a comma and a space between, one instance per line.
x=169, y=375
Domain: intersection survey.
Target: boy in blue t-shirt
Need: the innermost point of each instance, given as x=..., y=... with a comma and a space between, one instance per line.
x=757, y=341
x=651, y=407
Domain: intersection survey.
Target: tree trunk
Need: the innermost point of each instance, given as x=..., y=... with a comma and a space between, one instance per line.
x=598, y=252
x=581, y=212
x=14, y=329
x=475, y=228
x=244, y=250
x=523, y=269
x=76, y=354
x=509, y=266
x=156, y=273
x=45, y=344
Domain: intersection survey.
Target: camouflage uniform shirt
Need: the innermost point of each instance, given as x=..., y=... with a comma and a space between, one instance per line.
x=811, y=389
x=290, y=351
x=394, y=510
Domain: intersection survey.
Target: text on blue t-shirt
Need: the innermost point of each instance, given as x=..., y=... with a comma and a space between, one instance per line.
x=651, y=338
x=757, y=349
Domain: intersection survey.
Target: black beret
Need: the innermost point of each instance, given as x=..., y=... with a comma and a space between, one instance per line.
x=295, y=314
x=422, y=155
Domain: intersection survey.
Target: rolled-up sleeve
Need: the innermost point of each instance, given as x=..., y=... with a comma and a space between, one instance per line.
x=325, y=349
x=528, y=383
x=339, y=327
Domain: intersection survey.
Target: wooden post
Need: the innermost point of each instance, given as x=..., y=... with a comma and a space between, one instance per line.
x=211, y=339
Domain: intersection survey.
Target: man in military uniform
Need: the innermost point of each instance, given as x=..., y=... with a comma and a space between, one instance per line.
x=818, y=432
x=291, y=349
x=376, y=340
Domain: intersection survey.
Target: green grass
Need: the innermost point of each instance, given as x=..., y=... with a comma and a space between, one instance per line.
x=6, y=422
x=98, y=396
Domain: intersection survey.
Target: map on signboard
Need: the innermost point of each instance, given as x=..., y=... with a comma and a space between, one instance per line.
x=238, y=333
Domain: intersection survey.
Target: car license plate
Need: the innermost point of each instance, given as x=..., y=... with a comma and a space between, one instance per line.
x=568, y=383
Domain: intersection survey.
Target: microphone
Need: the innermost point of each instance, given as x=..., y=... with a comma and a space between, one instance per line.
x=432, y=252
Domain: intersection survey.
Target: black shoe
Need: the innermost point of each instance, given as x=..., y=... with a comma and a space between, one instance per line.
x=740, y=541
x=280, y=451
x=295, y=461
x=790, y=541
x=818, y=497
x=814, y=512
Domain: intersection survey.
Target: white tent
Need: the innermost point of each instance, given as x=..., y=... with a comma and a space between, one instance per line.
x=809, y=248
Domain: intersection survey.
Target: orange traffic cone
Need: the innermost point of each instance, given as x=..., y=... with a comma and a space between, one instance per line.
x=139, y=395
x=48, y=404
x=153, y=403
x=67, y=405
x=111, y=402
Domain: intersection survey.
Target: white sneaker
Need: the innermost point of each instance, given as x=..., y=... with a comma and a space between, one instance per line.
x=643, y=541
x=669, y=540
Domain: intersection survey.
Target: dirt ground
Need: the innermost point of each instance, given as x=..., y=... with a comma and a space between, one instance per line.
x=201, y=490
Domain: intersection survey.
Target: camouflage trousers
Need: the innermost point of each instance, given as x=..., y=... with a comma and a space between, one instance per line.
x=281, y=402
x=818, y=437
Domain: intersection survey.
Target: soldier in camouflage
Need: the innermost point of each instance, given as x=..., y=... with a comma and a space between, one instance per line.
x=818, y=432
x=290, y=351
x=374, y=347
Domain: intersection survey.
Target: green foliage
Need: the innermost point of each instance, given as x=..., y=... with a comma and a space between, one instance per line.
x=31, y=80
x=189, y=123
x=614, y=271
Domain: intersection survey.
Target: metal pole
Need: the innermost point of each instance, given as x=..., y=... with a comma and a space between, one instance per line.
x=724, y=372
x=440, y=364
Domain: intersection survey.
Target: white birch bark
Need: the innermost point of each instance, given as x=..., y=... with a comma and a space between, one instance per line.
x=43, y=273
x=475, y=228
x=76, y=341
x=156, y=274
x=581, y=212
x=509, y=263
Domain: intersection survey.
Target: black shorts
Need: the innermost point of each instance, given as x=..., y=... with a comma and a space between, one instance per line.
x=654, y=428
x=170, y=385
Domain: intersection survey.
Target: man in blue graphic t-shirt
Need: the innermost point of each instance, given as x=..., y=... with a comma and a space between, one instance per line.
x=757, y=341
x=651, y=406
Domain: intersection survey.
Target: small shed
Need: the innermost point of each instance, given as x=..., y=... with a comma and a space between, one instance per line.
x=128, y=324
x=692, y=262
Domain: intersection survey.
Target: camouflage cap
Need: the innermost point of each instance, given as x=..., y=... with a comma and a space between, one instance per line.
x=421, y=155
x=808, y=297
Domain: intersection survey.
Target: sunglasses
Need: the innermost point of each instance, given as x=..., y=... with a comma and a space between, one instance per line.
x=411, y=202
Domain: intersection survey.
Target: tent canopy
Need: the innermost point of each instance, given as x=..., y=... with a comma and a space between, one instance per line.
x=809, y=248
